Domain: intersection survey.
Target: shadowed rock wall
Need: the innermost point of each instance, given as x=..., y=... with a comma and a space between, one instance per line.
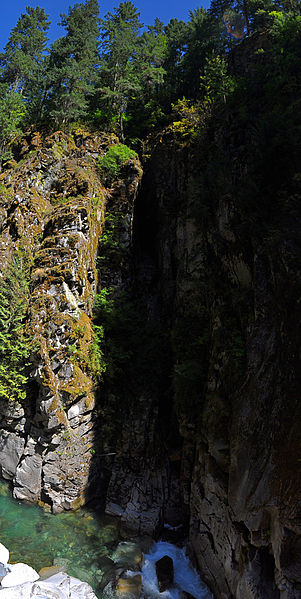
x=231, y=290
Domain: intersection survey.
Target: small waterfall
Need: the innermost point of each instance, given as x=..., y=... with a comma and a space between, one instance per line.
x=185, y=576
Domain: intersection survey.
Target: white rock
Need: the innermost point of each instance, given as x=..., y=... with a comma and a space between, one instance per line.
x=4, y=554
x=19, y=573
x=70, y=297
x=73, y=412
x=59, y=586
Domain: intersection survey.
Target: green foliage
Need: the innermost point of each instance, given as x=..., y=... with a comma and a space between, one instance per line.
x=187, y=117
x=119, y=79
x=97, y=364
x=128, y=81
x=23, y=61
x=14, y=342
x=24, y=52
x=12, y=111
x=71, y=67
x=216, y=84
x=111, y=163
x=134, y=350
x=119, y=321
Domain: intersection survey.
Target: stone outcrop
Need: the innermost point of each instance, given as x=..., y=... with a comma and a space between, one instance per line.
x=232, y=304
x=20, y=581
x=58, y=586
x=53, y=208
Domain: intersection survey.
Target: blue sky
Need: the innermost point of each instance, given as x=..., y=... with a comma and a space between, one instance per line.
x=149, y=9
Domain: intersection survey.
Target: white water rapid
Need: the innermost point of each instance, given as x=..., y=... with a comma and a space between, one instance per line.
x=185, y=577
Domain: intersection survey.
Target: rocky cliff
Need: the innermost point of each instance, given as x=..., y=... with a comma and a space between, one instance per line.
x=53, y=207
x=196, y=422
x=227, y=279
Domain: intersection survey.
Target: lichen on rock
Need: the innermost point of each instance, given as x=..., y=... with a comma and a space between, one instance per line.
x=52, y=207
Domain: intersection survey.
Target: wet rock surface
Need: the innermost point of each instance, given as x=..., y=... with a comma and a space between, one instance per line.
x=165, y=573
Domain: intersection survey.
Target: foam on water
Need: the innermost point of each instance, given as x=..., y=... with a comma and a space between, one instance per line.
x=82, y=542
x=185, y=576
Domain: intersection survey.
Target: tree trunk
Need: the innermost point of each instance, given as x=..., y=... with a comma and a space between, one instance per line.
x=121, y=125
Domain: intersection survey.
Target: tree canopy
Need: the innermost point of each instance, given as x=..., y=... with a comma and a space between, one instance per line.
x=119, y=75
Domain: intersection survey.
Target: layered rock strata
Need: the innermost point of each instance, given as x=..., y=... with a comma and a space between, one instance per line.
x=52, y=211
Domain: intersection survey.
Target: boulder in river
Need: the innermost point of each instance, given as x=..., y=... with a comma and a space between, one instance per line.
x=165, y=573
x=60, y=586
x=129, y=587
x=128, y=555
x=19, y=573
x=4, y=555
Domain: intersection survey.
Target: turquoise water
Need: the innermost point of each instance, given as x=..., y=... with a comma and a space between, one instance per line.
x=80, y=541
x=88, y=547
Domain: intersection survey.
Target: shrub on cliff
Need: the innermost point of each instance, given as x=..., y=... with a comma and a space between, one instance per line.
x=111, y=163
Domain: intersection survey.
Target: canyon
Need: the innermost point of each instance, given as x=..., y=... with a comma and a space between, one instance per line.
x=192, y=420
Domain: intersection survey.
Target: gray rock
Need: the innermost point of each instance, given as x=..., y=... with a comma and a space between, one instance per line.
x=11, y=450
x=28, y=478
x=112, y=509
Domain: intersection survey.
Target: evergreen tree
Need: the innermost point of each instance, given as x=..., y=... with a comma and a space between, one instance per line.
x=72, y=64
x=14, y=343
x=221, y=8
x=144, y=110
x=203, y=36
x=216, y=84
x=23, y=67
x=12, y=111
x=150, y=56
x=23, y=54
x=176, y=44
x=119, y=46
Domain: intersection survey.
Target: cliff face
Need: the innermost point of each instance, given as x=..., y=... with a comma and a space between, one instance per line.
x=52, y=212
x=197, y=422
x=230, y=287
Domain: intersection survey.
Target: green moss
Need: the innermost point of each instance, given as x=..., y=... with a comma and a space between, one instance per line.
x=111, y=163
x=6, y=192
x=59, y=149
x=86, y=347
x=80, y=385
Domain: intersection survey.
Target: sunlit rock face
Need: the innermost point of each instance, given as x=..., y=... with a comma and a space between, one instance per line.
x=53, y=206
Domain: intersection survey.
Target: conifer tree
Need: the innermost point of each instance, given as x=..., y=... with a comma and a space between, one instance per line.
x=12, y=111
x=23, y=54
x=204, y=35
x=144, y=109
x=176, y=45
x=72, y=64
x=151, y=56
x=22, y=68
x=119, y=46
x=14, y=343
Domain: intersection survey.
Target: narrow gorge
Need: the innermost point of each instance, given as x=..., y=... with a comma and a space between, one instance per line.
x=154, y=311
